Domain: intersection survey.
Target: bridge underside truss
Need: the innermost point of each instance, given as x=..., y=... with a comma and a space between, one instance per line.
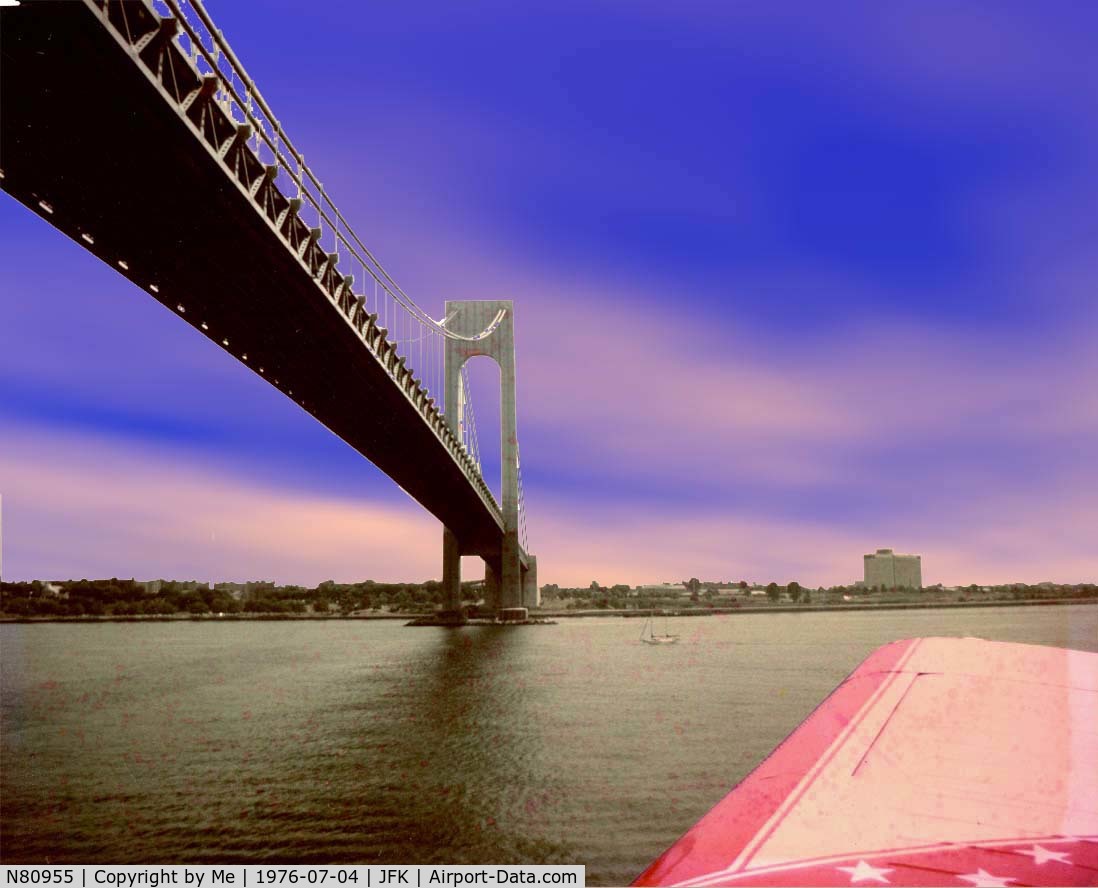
x=111, y=134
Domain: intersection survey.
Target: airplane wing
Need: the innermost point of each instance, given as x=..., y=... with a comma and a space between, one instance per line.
x=939, y=761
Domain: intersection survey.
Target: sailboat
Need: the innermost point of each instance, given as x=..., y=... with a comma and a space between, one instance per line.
x=648, y=635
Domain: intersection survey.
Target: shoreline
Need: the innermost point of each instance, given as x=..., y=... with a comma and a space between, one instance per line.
x=560, y=614
x=815, y=608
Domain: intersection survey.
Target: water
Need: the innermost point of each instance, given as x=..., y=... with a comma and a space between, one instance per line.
x=355, y=741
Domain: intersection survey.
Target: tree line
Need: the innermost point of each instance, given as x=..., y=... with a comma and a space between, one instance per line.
x=121, y=597
x=698, y=594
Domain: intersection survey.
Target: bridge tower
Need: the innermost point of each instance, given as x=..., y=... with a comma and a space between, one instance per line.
x=512, y=580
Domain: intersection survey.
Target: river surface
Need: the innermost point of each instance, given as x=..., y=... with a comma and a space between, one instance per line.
x=368, y=742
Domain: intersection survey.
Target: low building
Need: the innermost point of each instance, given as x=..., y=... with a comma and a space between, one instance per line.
x=250, y=589
x=663, y=590
x=886, y=569
x=155, y=587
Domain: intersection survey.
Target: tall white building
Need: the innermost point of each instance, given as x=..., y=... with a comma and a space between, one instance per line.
x=888, y=570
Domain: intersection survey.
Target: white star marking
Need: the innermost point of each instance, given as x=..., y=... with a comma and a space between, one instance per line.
x=863, y=872
x=1043, y=855
x=983, y=879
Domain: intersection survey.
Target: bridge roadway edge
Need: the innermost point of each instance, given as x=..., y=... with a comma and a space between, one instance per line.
x=113, y=159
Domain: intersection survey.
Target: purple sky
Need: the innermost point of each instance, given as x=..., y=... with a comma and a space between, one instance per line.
x=791, y=284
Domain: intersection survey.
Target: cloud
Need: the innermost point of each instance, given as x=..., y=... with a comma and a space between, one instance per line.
x=996, y=540
x=82, y=506
x=77, y=506
x=616, y=378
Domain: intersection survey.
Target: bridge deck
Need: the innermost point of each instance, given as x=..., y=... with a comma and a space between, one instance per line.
x=91, y=141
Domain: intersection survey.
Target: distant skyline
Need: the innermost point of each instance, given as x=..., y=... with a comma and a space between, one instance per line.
x=791, y=285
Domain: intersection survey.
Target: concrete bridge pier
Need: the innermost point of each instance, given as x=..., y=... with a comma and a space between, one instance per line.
x=491, y=588
x=521, y=586
x=531, y=594
x=510, y=587
x=451, y=572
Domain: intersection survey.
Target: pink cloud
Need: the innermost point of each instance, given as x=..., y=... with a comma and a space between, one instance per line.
x=77, y=506
x=658, y=389
x=992, y=541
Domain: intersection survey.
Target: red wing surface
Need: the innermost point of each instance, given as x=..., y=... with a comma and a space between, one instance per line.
x=939, y=761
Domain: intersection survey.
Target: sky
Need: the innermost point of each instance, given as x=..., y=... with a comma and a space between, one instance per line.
x=792, y=282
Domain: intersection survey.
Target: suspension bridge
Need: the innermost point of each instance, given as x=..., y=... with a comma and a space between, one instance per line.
x=132, y=127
